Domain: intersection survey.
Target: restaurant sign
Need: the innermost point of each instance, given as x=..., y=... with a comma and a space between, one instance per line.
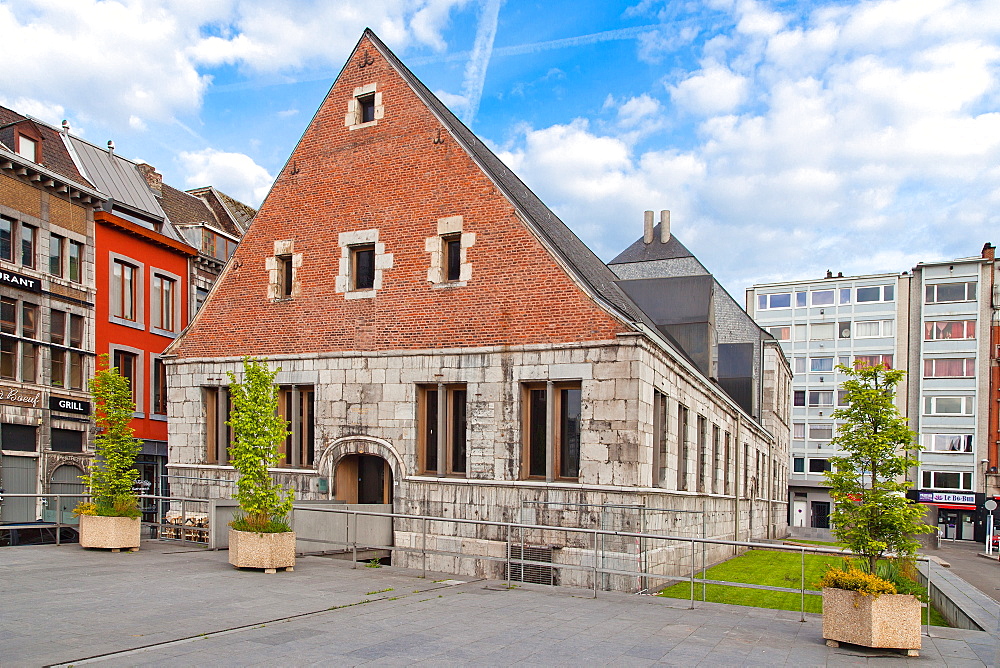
x=944, y=497
x=67, y=405
x=15, y=396
x=20, y=281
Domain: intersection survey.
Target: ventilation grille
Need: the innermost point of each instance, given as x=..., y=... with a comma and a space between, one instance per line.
x=534, y=573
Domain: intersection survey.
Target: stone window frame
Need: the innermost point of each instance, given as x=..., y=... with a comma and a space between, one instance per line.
x=344, y=282
x=175, y=306
x=139, y=388
x=352, y=119
x=445, y=427
x=437, y=247
x=277, y=267
x=139, y=295
x=554, y=435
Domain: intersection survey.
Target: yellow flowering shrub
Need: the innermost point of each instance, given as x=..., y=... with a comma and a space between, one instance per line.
x=854, y=579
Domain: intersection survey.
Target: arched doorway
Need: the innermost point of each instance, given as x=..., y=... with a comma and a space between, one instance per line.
x=363, y=478
x=66, y=480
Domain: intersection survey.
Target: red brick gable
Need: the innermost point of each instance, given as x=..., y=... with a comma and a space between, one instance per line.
x=399, y=176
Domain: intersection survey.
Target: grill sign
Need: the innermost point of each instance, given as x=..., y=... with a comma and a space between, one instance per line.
x=66, y=405
x=19, y=281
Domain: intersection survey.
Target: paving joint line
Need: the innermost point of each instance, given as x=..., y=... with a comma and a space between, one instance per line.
x=246, y=627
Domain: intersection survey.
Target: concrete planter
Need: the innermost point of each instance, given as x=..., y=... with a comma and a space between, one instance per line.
x=888, y=621
x=270, y=551
x=113, y=533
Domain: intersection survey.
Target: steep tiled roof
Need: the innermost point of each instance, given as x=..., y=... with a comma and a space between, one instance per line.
x=230, y=214
x=55, y=156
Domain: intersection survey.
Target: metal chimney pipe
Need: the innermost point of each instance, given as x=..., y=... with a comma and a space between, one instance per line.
x=647, y=232
x=664, y=226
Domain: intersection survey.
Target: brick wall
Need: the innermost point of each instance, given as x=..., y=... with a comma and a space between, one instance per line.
x=393, y=177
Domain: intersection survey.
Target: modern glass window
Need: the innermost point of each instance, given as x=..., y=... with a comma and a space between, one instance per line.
x=56, y=249
x=822, y=298
x=844, y=330
x=800, y=298
x=845, y=295
x=567, y=400
x=57, y=336
x=948, y=405
x=842, y=398
x=938, y=330
x=821, y=398
x=875, y=293
x=821, y=364
x=124, y=284
x=127, y=365
x=444, y=415
x=782, y=333
x=950, y=292
x=799, y=398
x=777, y=300
x=873, y=360
x=28, y=237
x=7, y=226
x=801, y=332
x=159, y=387
x=819, y=465
x=798, y=430
x=822, y=331
x=75, y=261
x=363, y=266
x=164, y=291
x=799, y=365
x=949, y=442
x=950, y=367
x=799, y=465
x=946, y=480
x=821, y=432
x=872, y=329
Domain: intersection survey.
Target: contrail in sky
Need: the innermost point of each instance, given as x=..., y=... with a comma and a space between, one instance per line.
x=482, y=50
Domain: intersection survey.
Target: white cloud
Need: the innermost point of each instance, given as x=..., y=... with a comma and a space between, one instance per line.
x=235, y=174
x=713, y=89
x=137, y=123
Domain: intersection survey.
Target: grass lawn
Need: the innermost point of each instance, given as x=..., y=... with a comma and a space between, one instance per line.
x=767, y=567
x=814, y=542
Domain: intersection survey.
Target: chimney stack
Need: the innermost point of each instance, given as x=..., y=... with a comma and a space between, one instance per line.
x=989, y=251
x=153, y=178
x=647, y=231
x=664, y=226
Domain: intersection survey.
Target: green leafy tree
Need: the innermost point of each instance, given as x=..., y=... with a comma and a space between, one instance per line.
x=872, y=515
x=258, y=432
x=112, y=474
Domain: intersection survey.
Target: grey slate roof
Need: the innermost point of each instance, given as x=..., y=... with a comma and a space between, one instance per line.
x=640, y=251
x=577, y=257
x=115, y=176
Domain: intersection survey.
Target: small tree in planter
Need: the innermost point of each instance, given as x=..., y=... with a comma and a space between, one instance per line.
x=872, y=515
x=260, y=536
x=111, y=518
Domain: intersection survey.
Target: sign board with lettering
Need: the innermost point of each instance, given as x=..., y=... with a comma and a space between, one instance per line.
x=20, y=281
x=947, y=497
x=16, y=396
x=68, y=405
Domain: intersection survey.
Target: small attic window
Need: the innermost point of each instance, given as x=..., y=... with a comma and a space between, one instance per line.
x=366, y=108
x=27, y=148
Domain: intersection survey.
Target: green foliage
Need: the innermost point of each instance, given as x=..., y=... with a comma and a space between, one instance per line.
x=872, y=515
x=112, y=473
x=258, y=432
x=374, y=563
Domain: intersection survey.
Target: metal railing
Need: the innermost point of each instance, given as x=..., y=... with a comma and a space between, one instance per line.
x=695, y=575
x=157, y=527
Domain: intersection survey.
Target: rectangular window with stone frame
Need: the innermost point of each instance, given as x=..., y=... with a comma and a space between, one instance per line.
x=363, y=266
x=551, y=428
x=682, y=447
x=660, y=435
x=218, y=435
x=296, y=405
x=442, y=429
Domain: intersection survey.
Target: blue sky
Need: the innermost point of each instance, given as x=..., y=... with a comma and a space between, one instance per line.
x=787, y=137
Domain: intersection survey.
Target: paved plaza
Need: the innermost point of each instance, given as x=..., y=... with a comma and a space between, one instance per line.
x=174, y=605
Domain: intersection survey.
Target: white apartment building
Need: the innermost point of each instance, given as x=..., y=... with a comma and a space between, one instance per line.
x=934, y=322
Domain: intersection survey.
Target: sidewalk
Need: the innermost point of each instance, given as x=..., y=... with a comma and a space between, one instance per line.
x=170, y=605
